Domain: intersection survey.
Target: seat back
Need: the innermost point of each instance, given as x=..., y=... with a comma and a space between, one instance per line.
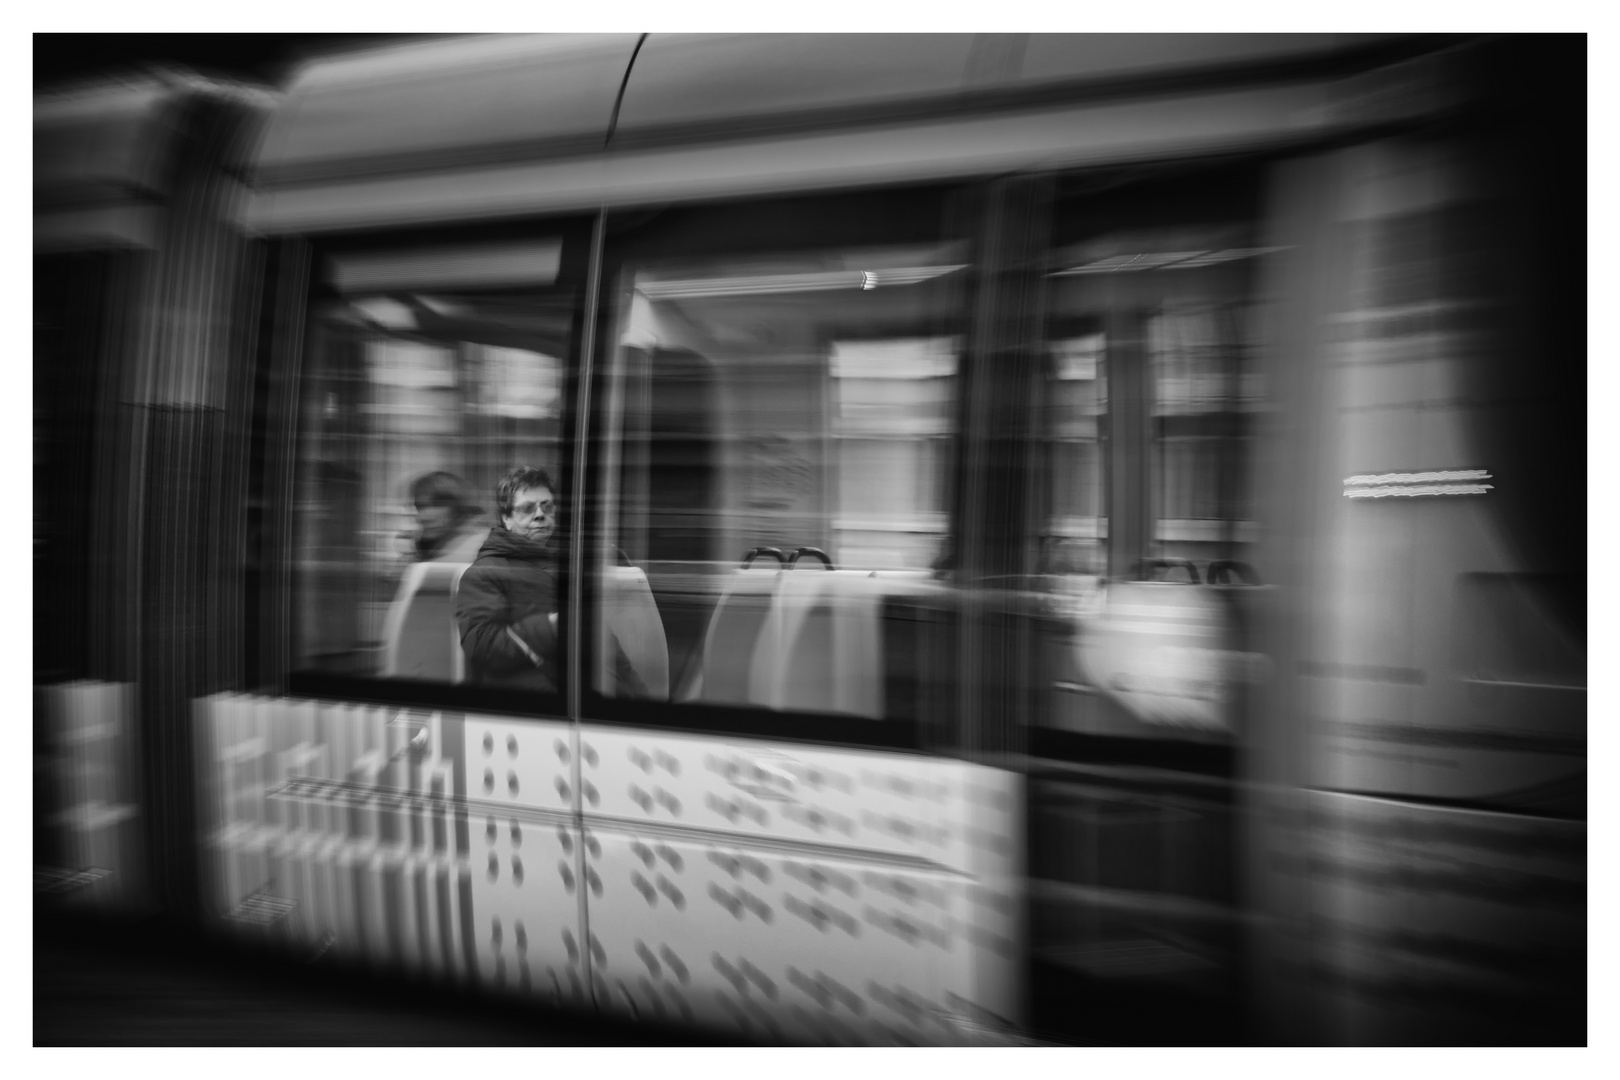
x=420, y=636
x=734, y=635
x=802, y=639
x=795, y=667
x=630, y=616
x=825, y=651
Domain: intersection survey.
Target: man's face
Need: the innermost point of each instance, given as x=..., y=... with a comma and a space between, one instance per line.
x=534, y=514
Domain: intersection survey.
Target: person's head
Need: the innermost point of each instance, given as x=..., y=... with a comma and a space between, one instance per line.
x=441, y=502
x=527, y=504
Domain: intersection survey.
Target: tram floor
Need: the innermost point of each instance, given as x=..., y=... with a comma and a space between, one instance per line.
x=148, y=984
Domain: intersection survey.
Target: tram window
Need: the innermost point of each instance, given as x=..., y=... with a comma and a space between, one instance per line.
x=769, y=412
x=431, y=375
x=1149, y=400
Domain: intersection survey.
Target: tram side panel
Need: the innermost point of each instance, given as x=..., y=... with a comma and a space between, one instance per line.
x=1433, y=666
x=526, y=867
x=88, y=794
x=800, y=894
x=330, y=827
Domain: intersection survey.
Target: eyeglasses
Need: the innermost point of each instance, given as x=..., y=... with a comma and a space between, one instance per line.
x=527, y=509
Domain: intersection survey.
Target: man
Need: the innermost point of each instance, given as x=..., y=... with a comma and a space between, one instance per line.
x=506, y=607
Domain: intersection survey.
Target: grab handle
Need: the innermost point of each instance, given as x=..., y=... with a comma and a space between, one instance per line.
x=775, y=553
x=800, y=552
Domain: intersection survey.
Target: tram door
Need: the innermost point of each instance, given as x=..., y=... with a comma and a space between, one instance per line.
x=767, y=848
x=1144, y=534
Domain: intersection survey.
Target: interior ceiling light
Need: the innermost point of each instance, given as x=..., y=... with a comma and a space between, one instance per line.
x=1164, y=260
x=814, y=281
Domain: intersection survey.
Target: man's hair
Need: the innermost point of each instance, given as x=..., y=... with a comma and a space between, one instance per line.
x=524, y=476
x=442, y=489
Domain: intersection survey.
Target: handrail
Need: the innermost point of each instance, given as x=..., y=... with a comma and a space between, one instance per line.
x=775, y=553
x=817, y=552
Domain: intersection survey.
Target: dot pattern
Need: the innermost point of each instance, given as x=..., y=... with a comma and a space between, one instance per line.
x=772, y=945
x=799, y=894
x=525, y=893
x=782, y=942
x=894, y=804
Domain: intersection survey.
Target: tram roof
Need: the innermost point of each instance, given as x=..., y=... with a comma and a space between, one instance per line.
x=488, y=126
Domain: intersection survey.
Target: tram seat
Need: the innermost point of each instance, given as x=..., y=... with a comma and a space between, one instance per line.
x=630, y=614
x=733, y=636
x=822, y=648
x=420, y=637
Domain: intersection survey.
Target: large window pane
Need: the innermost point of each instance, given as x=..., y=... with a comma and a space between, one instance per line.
x=432, y=376
x=1151, y=397
x=777, y=411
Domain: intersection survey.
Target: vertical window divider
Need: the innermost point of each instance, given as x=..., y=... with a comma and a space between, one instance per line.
x=582, y=437
x=283, y=352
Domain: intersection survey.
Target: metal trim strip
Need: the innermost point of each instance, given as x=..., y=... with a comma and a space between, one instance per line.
x=695, y=834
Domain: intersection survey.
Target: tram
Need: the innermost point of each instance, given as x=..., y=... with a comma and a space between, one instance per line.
x=1074, y=538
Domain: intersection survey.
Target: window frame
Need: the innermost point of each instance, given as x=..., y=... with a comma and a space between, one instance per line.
x=792, y=225
x=575, y=233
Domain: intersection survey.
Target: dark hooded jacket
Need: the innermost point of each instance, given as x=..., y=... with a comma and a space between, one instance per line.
x=503, y=610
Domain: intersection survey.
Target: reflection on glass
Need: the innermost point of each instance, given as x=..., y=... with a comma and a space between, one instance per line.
x=1149, y=397
x=1076, y=404
x=1148, y=401
x=418, y=404
x=778, y=476
x=1201, y=398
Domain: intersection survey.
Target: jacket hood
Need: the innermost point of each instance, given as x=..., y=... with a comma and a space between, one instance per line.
x=509, y=545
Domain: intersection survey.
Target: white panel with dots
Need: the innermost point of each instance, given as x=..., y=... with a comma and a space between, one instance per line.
x=519, y=763
x=524, y=858
x=829, y=895
x=872, y=800
x=769, y=945
x=650, y=941
x=525, y=908
x=879, y=940
x=986, y=991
